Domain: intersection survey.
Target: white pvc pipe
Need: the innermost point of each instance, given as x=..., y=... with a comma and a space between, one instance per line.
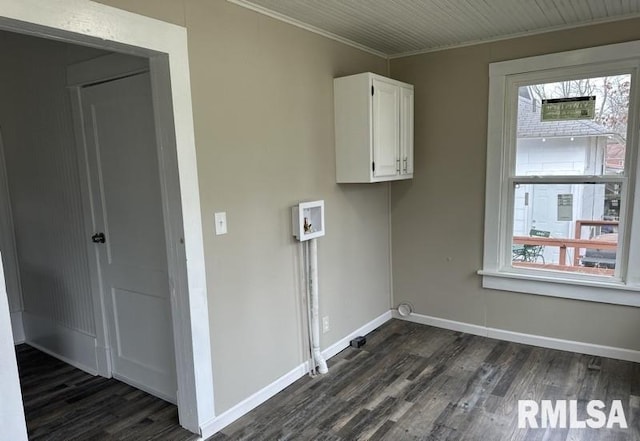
x=317, y=357
x=306, y=288
x=303, y=266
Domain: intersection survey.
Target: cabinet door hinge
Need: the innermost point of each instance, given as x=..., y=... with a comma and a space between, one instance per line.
x=371, y=90
x=373, y=166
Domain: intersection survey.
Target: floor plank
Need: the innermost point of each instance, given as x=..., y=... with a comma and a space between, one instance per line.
x=64, y=403
x=415, y=382
x=409, y=382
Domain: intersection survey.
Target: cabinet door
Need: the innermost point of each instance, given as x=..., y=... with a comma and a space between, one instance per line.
x=406, y=130
x=386, y=136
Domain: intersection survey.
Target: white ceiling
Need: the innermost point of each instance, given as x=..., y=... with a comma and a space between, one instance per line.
x=402, y=27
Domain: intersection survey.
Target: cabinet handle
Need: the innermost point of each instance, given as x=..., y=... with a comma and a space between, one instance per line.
x=398, y=165
x=405, y=165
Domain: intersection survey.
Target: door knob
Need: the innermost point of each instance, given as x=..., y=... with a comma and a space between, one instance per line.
x=98, y=238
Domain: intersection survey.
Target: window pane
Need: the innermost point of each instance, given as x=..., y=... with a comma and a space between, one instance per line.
x=576, y=127
x=566, y=227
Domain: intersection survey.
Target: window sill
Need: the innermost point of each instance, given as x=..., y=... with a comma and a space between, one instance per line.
x=616, y=293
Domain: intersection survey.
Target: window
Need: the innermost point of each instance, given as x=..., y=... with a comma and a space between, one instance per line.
x=561, y=175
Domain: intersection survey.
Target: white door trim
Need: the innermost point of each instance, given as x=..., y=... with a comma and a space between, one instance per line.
x=88, y=23
x=12, y=419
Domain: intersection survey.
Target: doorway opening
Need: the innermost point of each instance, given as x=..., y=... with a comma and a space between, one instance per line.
x=179, y=212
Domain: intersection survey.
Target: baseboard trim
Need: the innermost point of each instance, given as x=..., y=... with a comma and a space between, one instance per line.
x=442, y=323
x=250, y=403
x=224, y=419
x=566, y=345
x=529, y=339
x=144, y=388
x=341, y=344
x=220, y=422
x=69, y=345
x=17, y=328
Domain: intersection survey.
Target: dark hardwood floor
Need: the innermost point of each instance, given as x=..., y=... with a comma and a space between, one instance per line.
x=414, y=382
x=409, y=382
x=64, y=403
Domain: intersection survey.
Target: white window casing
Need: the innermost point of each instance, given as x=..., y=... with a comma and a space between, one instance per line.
x=504, y=79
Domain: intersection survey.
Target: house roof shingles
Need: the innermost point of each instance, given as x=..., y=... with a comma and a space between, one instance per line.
x=530, y=126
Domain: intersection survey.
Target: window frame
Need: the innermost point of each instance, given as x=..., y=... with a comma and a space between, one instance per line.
x=504, y=79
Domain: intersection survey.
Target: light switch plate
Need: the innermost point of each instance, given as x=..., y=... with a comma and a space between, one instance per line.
x=221, y=223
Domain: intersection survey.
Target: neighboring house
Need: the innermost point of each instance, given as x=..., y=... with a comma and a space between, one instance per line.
x=562, y=148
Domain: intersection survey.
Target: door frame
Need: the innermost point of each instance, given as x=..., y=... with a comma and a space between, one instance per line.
x=165, y=45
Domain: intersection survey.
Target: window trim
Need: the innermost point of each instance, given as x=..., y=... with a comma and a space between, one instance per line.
x=497, y=272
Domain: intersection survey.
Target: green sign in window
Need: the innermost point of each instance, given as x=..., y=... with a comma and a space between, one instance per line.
x=563, y=109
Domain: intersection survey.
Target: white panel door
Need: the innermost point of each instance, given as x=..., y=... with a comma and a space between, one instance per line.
x=130, y=235
x=386, y=131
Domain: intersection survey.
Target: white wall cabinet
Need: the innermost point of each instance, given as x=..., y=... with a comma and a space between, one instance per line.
x=374, y=128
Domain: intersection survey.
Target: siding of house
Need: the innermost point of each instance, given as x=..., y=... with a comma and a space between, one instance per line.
x=558, y=156
x=438, y=217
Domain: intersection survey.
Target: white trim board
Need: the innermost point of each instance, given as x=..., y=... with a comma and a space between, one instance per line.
x=12, y=421
x=343, y=343
x=616, y=293
x=17, y=328
x=165, y=45
x=69, y=345
x=144, y=388
x=498, y=272
x=307, y=27
x=250, y=403
x=528, y=339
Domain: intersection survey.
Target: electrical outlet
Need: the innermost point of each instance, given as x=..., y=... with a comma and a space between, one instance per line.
x=325, y=324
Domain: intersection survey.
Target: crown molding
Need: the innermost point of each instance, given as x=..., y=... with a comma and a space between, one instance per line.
x=307, y=27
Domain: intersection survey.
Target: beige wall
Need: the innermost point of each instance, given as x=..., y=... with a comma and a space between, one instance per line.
x=438, y=217
x=262, y=95
x=263, y=108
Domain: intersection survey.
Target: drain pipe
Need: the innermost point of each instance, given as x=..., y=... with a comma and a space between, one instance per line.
x=314, y=324
x=307, y=220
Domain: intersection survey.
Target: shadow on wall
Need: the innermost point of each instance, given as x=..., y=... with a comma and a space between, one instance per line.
x=41, y=329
